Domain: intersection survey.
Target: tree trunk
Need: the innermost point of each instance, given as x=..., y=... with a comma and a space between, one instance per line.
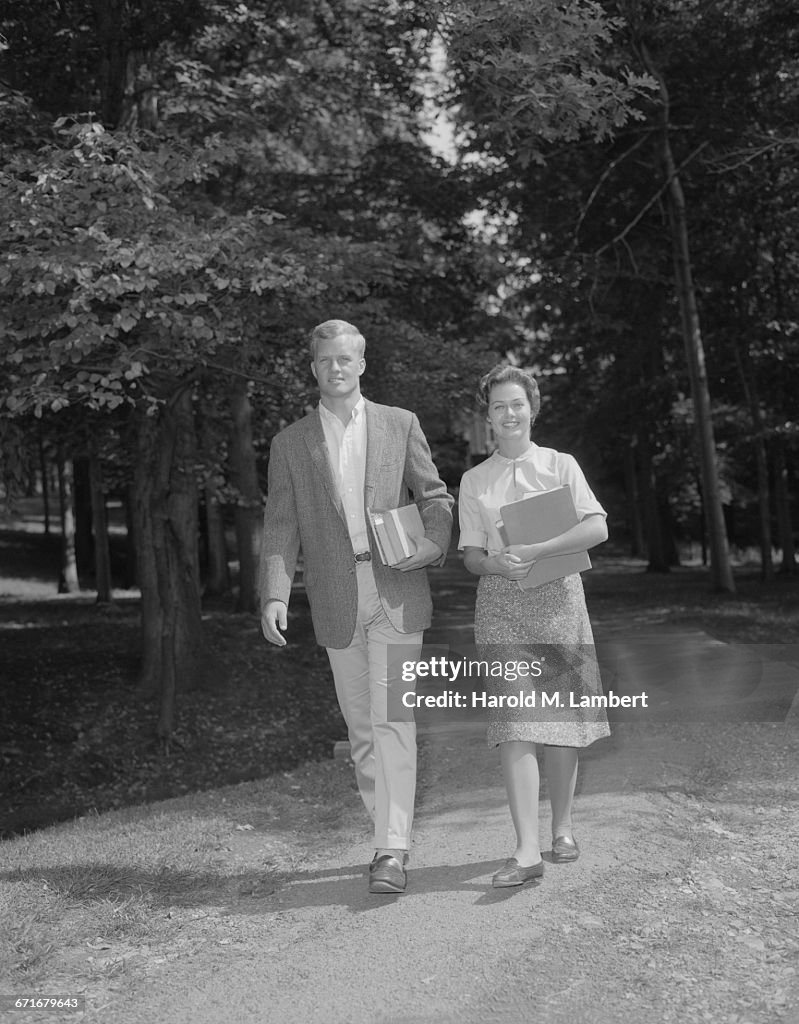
x=218, y=581
x=666, y=519
x=783, y=504
x=658, y=558
x=68, y=582
x=176, y=656
x=102, y=555
x=45, y=483
x=82, y=501
x=746, y=372
x=637, y=541
x=248, y=513
x=144, y=533
x=702, y=520
x=720, y=567
x=113, y=46
x=131, y=578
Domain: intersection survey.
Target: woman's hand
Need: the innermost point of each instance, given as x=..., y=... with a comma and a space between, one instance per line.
x=525, y=552
x=509, y=564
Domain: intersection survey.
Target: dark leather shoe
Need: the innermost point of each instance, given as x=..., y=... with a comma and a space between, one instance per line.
x=387, y=875
x=376, y=858
x=564, y=850
x=511, y=873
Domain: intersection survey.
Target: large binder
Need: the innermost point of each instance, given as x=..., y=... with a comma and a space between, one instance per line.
x=539, y=517
x=397, y=532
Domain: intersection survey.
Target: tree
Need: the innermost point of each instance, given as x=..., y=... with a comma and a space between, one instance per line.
x=244, y=477
x=248, y=170
x=721, y=568
x=87, y=55
x=127, y=311
x=589, y=278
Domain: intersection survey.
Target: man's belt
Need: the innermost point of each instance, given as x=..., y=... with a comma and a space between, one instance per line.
x=363, y=556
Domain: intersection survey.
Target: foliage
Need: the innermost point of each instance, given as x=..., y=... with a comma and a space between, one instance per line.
x=587, y=236
x=110, y=290
x=78, y=56
x=221, y=176
x=142, y=258
x=532, y=75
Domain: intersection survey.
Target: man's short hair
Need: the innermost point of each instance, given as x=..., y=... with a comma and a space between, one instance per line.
x=335, y=329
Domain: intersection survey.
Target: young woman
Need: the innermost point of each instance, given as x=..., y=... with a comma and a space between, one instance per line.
x=548, y=622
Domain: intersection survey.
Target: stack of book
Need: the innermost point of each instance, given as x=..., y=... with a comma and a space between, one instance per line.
x=397, y=532
x=538, y=517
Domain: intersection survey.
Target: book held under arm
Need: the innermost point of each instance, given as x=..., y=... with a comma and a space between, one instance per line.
x=537, y=518
x=397, y=532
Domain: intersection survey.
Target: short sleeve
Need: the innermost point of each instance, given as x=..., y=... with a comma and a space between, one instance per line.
x=585, y=502
x=472, y=531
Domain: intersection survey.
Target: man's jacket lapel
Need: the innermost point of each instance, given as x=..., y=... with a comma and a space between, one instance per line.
x=317, y=446
x=375, y=437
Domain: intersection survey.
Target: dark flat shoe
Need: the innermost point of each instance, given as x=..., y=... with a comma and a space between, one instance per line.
x=564, y=850
x=387, y=875
x=511, y=873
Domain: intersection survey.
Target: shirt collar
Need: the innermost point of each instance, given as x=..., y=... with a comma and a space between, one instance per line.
x=357, y=412
x=519, y=458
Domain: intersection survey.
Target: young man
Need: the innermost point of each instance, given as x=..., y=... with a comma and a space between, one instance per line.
x=324, y=471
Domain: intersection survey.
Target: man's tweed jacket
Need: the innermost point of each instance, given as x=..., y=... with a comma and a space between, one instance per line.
x=304, y=511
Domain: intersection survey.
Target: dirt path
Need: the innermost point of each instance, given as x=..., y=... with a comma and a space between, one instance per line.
x=682, y=907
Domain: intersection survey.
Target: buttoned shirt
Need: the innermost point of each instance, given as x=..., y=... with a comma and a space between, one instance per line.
x=346, y=446
x=498, y=481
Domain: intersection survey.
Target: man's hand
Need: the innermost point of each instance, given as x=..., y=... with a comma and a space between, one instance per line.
x=273, y=620
x=426, y=553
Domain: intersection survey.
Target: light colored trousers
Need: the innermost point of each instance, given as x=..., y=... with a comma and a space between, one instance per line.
x=384, y=753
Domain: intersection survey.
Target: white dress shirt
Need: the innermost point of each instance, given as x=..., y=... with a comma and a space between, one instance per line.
x=488, y=486
x=346, y=446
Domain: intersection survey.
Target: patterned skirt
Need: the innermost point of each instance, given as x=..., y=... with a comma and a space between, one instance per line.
x=547, y=627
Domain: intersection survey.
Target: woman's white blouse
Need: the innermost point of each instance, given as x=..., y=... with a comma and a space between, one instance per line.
x=497, y=481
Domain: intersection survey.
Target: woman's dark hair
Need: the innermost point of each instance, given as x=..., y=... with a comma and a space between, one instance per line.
x=504, y=374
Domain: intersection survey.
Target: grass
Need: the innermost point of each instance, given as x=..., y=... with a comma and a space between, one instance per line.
x=621, y=594
x=79, y=900
x=77, y=736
